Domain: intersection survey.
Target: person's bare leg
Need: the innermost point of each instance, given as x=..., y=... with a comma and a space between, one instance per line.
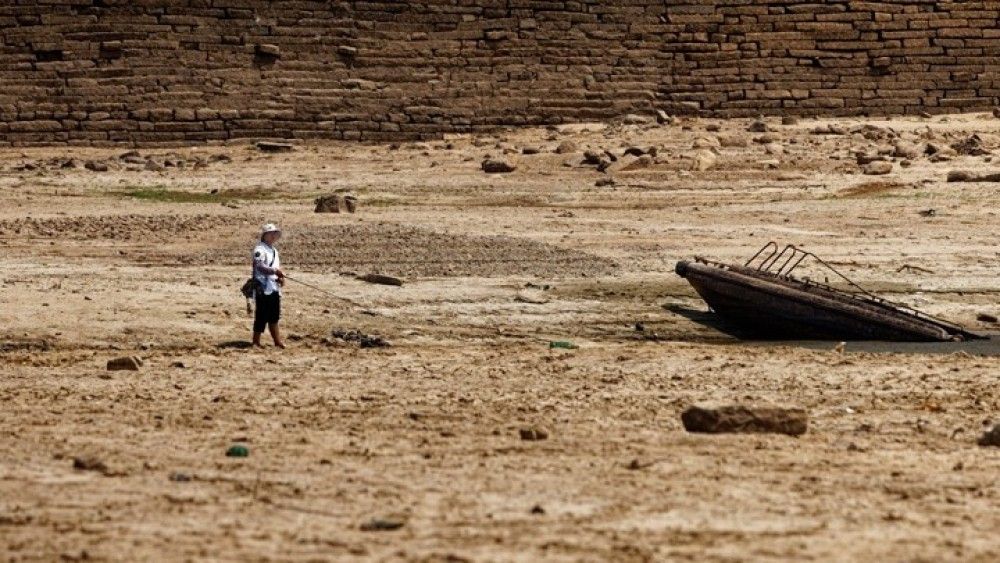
x=276, y=335
x=256, y=339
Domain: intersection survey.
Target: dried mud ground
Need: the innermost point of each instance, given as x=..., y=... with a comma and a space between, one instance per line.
x=146, y=260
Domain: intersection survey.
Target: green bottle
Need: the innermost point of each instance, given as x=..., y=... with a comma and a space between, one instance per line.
x=562, y=344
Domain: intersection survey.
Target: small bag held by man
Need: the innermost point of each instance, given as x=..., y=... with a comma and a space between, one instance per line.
x=249, y=289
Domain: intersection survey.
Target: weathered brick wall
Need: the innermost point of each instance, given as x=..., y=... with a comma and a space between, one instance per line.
x=178, y=71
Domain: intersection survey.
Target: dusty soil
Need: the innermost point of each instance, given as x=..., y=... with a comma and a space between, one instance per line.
x=425, y=435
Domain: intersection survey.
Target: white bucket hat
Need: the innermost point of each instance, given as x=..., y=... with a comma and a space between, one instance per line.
x=269, y=228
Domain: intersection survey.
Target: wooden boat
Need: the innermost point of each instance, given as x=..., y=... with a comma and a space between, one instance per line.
x=762, y=298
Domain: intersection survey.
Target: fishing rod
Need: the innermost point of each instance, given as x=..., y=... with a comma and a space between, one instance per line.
x=327, y=293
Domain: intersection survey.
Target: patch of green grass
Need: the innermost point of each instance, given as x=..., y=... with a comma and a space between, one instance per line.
x=163, y=195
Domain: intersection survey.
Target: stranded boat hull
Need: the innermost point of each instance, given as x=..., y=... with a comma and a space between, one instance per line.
x=773, y=306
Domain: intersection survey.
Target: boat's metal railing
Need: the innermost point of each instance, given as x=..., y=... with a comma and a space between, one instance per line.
x=770, y=245
x=795, y=257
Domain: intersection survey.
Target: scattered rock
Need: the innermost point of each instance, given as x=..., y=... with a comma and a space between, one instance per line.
x=757, y=126
x=90, y=463
x=966, y=176
x=703, y=160
x=878, y=168
x=533, y=297
x=864, y=158
x=733, y=141
x=706, y=143
x=533, y=434
x=987, y=318
x=874, y=132
x=179, y=477
x=127, y=363
x=830, y=129
x=635, y=119
x=498, y=166
x=789, y=120
x=381, y=279
x=272, y=146
x=663, y=118
x=767, y=138
x=530, y=150
x=791, y=176
x=333, y=203
x=96, y=166
x=573, y=128
x=537, y=509
x=774, y=149
x=604, y=182
x=970, y=146
x=593, y=158
x=350, y=203
x=566, y=147
x=628, y=164
x=904, y=149
x=24, y=344
x=178, y=365
x=637, y=464
x=131, y=157
x=385, y=524
x=640, y=151
x=991, y=437
x=940, y=154
x=361, y=339
x=961, y=176
x=714, y=419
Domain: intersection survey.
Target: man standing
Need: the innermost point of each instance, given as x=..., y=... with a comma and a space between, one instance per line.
x=269, y=280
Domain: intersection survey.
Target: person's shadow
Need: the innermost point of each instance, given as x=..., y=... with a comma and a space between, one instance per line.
x=234, y=345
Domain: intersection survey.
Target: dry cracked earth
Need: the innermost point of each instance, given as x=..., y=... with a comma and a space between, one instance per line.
x=414, y=451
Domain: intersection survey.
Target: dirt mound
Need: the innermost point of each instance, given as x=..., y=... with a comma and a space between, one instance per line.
x=411, y=252
x=874, y=188
x=114, y=227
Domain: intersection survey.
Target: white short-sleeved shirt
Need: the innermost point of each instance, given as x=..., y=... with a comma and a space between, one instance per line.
x=266, y=255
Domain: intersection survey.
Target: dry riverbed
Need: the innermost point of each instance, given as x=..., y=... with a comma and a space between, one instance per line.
x=468, y=438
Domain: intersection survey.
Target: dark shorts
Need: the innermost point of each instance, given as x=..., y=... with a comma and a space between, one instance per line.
x=268, y=311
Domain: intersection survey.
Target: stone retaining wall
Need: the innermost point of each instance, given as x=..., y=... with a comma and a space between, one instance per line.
x=156, y=72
